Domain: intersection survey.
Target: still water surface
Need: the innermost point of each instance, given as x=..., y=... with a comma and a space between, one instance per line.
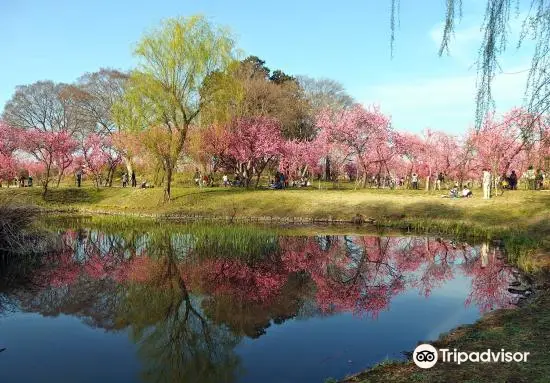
x=230, y=304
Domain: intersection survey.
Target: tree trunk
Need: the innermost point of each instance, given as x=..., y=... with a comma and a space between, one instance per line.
x=304, y=171
x=110, y=177
x=45, y=183
x=128, y=165
x=327, y=168
x=59, y=179
x=167, y=188
x=167, y=191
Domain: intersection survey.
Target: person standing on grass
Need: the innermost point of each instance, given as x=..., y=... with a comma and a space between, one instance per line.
x=539, y=179
x=78, y=177
x=440, y=180
x=134, y=182
x=531, y=176
x=124, y=180
x=513, y=180
x=414, y=181
x=486, y=181
x=197, y=177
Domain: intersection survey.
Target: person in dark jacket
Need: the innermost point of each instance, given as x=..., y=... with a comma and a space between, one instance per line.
x=513, y=180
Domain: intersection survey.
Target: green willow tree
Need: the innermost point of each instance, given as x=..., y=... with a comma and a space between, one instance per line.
x=162, y=98
x=495, y=29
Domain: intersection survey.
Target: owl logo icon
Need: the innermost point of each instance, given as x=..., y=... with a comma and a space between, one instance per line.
x=425, y=356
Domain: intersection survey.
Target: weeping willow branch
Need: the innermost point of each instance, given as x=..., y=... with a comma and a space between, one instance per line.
x=495, y=29
x=394, y=19
x=450, y=22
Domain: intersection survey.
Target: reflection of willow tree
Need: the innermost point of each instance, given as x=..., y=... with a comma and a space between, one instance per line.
x=177, y=341
x=15, y=276
x=189, y=295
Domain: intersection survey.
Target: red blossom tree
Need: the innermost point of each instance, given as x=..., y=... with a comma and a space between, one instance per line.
x=255, y=142
x=364, y=135
x=8, y=144
x=501, y=144
x=301, y=157
x=99, y=156
x=46, y=147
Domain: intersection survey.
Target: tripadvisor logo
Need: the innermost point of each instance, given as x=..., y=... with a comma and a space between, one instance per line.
x=426, y=356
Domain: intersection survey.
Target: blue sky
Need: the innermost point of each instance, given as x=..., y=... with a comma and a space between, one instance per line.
x=347, y=41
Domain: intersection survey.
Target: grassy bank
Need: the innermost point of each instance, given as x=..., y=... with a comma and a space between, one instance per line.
x=519, y=217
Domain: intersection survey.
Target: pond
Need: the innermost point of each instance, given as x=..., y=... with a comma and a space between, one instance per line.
x=175, y=303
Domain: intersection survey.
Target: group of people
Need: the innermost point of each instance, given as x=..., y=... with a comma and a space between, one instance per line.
x=237, y=180
x=21, y=181
x=534, y=180
x=203, y=180
x=132, y=179
x=509, y=182
x=282, y=181
x=279, y=182
x=466, y=192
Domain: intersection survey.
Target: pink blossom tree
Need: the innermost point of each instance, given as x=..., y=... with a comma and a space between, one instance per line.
x=210, y=145
x=255, y=142
x=46, y=147
x=363, y=134
x=300, y=157
x=499, y=144
x=437, y=155
x=8, y=164
x=99, y=155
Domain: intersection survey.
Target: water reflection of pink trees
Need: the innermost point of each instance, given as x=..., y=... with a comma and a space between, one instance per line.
x=490, y=278
x=187, y=307
x=359, y=274
x=350, y=274
x=259, y=282
x=362, y=274
x=91, y=255
x=432, y=260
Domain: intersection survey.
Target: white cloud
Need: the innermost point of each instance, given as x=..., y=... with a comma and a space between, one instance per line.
x=442, y=103
x=464, y=43
x=448, y=102
x=466, y=40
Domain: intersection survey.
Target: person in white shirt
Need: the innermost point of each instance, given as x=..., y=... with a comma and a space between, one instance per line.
x=414, y=181
x=225, y=180
x=466, y=193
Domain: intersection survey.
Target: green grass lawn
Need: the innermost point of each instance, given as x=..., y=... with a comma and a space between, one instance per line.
x=523, y=207
x=524, y=214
